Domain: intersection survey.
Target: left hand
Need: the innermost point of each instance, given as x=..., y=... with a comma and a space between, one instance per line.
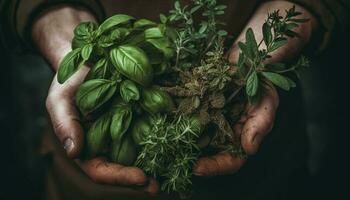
x=259, y=118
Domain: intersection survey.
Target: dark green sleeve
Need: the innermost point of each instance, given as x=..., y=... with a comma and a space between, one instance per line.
x=333, y=16
x=17, y=16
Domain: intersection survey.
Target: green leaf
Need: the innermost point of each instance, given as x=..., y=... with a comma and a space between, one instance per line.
x=291, y=26
x=97, y=137
x=241, y=60
x=122, y=115
x=100, y=70
x=195, y=8
x=86, y=51
x=84, y=30
x=114, y=21
x=251, y=42
x=267, y=34
x=69, y=65
x=163, y=18
x=245, y=50
x=177, y=5
x=278, y=80
x=124, y=151
x=129, y=91
x=119, y=34
x=275, y=67
x=144, y=23
x=278, y=43
x=141, y=128
x=163, y=45
x=292, y=84
x=156, y=101
x=93, y=94
x=133, y=63
x=153, y=33
x=252, y=84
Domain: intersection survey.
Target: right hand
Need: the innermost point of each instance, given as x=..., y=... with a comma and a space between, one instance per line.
x=53, y=32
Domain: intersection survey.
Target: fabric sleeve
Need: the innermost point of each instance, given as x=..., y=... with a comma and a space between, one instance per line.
x=17, y=17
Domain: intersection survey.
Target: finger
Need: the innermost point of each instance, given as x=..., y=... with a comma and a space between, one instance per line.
x=64, y=116
x=220, y=164
x=260, y=120
x=152, y=187
x=102, y=171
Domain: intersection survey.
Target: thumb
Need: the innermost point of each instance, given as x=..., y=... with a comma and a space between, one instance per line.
x=64, y=116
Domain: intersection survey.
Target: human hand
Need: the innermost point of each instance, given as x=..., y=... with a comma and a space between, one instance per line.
x=258, y=119
x=53, y=33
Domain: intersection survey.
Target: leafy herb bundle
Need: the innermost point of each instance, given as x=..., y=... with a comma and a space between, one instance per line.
x=155, y=89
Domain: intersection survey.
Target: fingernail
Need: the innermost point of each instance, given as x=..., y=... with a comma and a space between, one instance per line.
x=68, y=144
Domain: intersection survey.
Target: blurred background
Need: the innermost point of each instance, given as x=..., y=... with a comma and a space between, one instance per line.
x=25, y=80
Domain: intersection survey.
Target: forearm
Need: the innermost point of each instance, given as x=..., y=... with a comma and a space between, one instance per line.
x=52, y=32
x=294, y=45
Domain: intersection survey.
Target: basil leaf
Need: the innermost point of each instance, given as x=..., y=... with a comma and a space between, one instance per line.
x=100, y=70
x=85, y=30
x=98, y=135
x=129, y=91
x=252, y=84
x=86, y=51
x=278, y=80
x=154, y=32
x=163, y=45
x=133, y=63
x=124, y=152
x=156, y=101
x=140, y=130
x=114, y=21
x=69, y=65
x=94, y=93
x=144, y=23
x=122, y=115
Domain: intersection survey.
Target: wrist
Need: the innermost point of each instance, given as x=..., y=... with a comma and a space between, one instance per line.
x=52, y=32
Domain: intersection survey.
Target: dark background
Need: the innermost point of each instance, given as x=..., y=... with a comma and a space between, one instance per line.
x=25, y=79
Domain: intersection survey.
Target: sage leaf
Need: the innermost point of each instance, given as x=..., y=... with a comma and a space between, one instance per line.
x=251, y=42
x=69, y=65
x=278, y=80
x=132, y=62
x=121, y=119
x=278, y=43
x=114, y=21
x=129, y=91
x=252, y=84
x=97, y=137
x=94, y=93
x=267, y=34
x=155, y=100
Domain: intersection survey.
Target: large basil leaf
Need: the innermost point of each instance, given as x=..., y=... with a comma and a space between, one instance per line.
x=129, y=91
x=124, y=152
x=98, y=135
x=122, y=115
x=92, y=94
x=154, y=32
x=114, y=21
x=155, y=100
x=69, y=65
x=133, y=63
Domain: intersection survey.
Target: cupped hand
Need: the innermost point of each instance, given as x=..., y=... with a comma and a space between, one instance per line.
x=258, y=119
x=65, y=120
